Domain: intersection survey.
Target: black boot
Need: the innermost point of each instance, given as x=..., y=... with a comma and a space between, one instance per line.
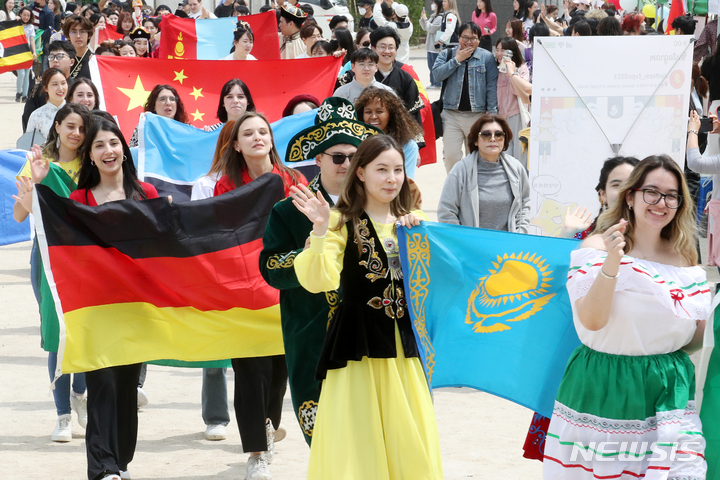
x=18, y=96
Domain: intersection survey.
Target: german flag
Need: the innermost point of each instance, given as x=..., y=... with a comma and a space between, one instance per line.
x=138, y=281
x=15, y=53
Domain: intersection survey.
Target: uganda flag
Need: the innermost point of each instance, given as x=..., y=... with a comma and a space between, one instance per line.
x=15, y=53
x=139, y=281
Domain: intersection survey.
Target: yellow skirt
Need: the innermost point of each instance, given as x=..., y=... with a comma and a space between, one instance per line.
x=375, y=420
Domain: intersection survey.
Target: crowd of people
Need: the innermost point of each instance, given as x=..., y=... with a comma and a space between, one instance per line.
x=331, y=248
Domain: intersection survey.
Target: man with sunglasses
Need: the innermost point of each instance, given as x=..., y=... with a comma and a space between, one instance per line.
x=61, y=54
x=330, y=143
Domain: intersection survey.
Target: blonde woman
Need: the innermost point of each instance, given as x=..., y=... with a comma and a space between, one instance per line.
x=639, y=302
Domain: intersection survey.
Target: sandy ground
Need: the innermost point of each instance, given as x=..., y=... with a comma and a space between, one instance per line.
x=481, y=436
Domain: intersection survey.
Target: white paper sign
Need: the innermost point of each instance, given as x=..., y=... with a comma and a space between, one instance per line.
x=596, y=98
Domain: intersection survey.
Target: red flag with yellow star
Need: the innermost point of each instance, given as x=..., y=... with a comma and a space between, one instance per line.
x=124, y=84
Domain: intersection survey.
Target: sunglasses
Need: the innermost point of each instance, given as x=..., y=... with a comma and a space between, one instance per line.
x=339, y=158
x=487, y=135
x=365, y=44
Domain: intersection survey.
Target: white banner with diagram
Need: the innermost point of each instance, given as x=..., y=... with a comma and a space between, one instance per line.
x=596, y=98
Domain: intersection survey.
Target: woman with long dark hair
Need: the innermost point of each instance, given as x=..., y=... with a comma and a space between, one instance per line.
x=164, y=101
x=513, y=91
x=375, y=417
x=486, y=19
x=60, y=152
x=260, y=382
x=344, y=41
x=108, y=174
x=83, y=91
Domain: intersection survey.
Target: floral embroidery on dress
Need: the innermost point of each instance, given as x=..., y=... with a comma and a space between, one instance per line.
x=373, y=262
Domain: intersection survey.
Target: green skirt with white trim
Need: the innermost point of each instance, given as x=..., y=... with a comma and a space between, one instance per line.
x=619, y=416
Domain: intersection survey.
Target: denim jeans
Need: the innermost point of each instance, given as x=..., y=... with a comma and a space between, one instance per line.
x=23, y=81
x=61, y=393
x=214, y=397
x=431, y=56
x=34, y=272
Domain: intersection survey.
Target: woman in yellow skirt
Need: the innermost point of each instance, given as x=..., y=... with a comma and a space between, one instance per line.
x=375, y=418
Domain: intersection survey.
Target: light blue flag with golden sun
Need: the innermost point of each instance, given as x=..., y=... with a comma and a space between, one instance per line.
x=490, y=309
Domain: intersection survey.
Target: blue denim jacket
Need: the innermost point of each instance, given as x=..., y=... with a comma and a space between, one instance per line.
x=482, y=79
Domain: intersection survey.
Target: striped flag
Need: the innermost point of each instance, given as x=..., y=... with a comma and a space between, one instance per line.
x=137, y=281
x=15, y=53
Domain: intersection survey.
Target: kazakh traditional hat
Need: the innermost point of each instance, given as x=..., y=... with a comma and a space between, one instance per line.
x=293, y=13
x=335, y=124
x=139, y=32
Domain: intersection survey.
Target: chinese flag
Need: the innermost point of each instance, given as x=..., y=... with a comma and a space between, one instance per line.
x=212, y=39
x=15, y=53
x=109, y=33
x=124, y=84
x=677, y=9
x=428, y=154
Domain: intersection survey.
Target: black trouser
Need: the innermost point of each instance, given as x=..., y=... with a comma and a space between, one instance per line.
x=260, y=384
x=486, y=43
x=112, y=427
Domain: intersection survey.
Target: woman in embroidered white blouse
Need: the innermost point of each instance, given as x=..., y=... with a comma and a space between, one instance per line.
x=630, y=386
x=55, y=85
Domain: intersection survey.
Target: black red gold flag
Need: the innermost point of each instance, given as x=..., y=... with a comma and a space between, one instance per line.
x=138, y=281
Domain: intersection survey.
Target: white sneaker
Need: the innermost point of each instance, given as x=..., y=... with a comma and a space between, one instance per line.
x=79, y=405
x=112, y=476
x=280, y=433
x=142, y=398
x=125, y=475
x=270, y=435
x=257, y=468
x=63, y=429
x=215, y=432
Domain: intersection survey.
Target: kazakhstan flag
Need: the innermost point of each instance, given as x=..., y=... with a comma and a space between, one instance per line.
x=490, y=309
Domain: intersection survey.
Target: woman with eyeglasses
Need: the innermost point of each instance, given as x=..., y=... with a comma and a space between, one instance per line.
x=639, y=303
x=488, y=188
x=164, y=101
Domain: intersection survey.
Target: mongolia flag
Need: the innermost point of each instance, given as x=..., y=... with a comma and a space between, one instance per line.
x=137, y=281
x=428, y=154
x=677, y=9
x=15, y=53
x=124, y=84
x=109, y=33
x=490, y=309
x=212, y=39
x=172, y=156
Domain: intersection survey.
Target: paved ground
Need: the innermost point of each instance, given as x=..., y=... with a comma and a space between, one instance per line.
x=481, y=435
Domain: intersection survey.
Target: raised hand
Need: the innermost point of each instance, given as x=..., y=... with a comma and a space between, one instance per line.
x=39, y=166
x=315, y=208
x=24, y=196
x=614, y=240
x=577, y=221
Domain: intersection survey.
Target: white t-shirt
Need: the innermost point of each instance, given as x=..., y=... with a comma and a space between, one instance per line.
x=230, y=57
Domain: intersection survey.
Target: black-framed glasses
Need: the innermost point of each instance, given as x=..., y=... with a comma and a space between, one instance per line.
x=653, y=197
x=487, y=135
x=339, y=158
x=57, y=56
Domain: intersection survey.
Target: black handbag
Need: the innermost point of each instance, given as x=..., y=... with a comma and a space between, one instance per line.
x=437, y=108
